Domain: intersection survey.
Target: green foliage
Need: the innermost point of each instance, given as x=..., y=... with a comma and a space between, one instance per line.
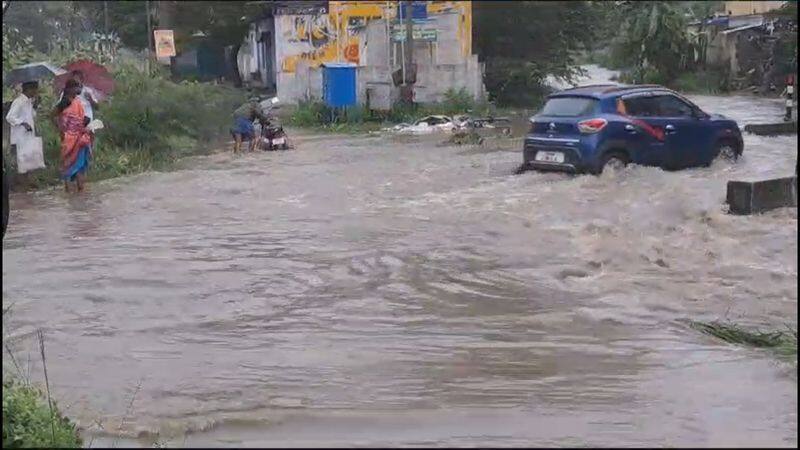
x=786, y=51
x=515, y=82
x=224, y=22
x=701, y=10
x=310, y=113
x=16, y=50
x=655, y=39
x=51, y=23
x=522, y=43
x=146, y=109
x=27, y=421
x=126, y=19
x=783, y=343
x=704, y=81
x=457, y=101
x=46, y=22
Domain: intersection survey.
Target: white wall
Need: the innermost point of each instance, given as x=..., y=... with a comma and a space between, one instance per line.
x=441, y=65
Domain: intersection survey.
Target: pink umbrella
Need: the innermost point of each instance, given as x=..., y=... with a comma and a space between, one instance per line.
x=94, y=75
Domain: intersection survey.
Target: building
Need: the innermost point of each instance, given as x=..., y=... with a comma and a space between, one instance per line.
x=742, y=40
x=745, y=8
x=287, y=46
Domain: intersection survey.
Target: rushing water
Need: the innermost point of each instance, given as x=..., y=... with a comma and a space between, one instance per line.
x=388, y=291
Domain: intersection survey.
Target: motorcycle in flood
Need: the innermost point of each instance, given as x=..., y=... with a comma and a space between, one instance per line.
x=272, y=136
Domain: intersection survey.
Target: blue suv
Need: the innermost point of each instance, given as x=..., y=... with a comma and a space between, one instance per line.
x=587, y=129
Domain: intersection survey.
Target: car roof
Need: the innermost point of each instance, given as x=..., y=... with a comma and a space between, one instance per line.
x=600, y=91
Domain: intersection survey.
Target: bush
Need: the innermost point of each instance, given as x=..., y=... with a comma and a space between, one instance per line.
x=708, y=81
x=146, y=110
x=644, y=75
x=702, y=82
x=27, y=421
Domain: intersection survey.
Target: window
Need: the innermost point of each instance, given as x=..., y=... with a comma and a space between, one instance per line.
x=641, y=106
x=671, y=106
x=569, y=106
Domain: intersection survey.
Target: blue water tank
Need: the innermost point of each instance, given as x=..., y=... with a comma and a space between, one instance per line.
x=339, y=84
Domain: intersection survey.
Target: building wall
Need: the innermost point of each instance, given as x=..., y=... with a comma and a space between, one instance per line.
x=256, y=58
x=359, y=32
x=743, y=8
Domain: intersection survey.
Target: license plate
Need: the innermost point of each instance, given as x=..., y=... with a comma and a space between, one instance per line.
x=555, y=157
x=278, y=141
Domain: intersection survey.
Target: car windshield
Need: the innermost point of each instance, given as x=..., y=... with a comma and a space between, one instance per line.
x=568, y=106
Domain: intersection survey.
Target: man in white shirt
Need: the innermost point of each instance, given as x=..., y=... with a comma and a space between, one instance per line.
x=21, y=113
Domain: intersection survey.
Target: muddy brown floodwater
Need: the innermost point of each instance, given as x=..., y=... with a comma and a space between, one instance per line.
x=387, y=291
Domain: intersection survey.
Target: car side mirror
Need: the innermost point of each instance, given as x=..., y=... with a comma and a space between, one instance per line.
x=699, y=114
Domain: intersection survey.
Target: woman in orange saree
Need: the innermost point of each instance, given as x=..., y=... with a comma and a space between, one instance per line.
x=76, y=140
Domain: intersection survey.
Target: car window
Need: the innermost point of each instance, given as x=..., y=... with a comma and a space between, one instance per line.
x=671, y=106
x=568, y=106
x=641, y=106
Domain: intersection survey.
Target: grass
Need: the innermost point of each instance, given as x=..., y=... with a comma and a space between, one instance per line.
x=31, y=419
x=782, y=343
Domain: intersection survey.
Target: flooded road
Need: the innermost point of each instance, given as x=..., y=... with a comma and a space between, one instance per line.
x=388, y=291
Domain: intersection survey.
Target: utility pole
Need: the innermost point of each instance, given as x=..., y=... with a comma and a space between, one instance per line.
x=149, y=36
x=105, y=16
x=409, y=73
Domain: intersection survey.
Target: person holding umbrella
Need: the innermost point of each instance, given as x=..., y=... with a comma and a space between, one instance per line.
x=22, y=113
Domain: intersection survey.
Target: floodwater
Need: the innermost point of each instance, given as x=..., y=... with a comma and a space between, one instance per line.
x=371, y=290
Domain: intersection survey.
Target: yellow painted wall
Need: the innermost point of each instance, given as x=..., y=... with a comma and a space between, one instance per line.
x=336, y=36
x=743, y=8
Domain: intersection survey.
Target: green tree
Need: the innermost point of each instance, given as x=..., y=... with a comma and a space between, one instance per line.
x=654, y=40
x=522, y=43
x=45, y=22
x=127, y=19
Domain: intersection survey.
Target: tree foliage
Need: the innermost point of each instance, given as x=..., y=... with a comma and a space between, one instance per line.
x=224, y=22
x=524, y=42
x=653, y=40
x=29, y=423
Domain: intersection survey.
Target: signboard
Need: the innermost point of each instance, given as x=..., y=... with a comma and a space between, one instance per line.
x=165, y=43
x=421, y=33
x=419, y=10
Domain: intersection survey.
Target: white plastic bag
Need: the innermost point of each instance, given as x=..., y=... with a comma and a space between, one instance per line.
x=95, y=125
x=29, y=154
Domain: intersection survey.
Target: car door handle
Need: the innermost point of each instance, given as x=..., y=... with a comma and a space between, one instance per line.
x=630, y=129
x=669, y=128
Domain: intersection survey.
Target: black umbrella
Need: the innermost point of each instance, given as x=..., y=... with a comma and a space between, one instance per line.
x=31, y=72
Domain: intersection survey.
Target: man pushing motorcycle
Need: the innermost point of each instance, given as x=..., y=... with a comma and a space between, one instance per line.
x=243, y=129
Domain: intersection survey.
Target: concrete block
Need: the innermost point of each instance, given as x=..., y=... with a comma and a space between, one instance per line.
x=753, y=197
x=771, y=129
